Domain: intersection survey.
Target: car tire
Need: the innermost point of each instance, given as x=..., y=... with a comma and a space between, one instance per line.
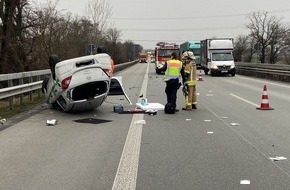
x=53, y=60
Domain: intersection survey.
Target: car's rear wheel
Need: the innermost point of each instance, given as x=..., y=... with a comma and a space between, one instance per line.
x=53, y=60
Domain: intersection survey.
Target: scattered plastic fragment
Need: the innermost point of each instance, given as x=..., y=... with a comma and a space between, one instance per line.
x=210, y=132
x=235, y=124
x=278, y=158
x=197, y=94
x=2, y=121
x=118, y=108
x=207, y=120
x=140, y=122
x=51, y=122
x=245, y=182
x=224, y=117
x=188, y=120
x=209, y=94
x=151, y=112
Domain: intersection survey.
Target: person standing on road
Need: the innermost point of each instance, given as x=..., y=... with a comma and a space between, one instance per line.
x=189, y=83
x=171, y=77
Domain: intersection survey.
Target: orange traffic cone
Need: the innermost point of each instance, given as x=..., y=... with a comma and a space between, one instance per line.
x=200, y=76
x=265, y=102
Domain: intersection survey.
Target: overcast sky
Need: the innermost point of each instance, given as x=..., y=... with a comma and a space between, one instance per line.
x=146, y=22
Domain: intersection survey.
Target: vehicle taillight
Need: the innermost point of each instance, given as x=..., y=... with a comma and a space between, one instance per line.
x=108, y=72
x=65, y=82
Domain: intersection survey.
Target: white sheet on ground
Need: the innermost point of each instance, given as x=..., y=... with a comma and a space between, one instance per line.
x=150, y=106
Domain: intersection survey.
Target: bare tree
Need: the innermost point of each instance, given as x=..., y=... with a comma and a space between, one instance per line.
x=286, y=49
x=112, y=43
x=127, y=51
x=59, y=33
x=241, y=45
x=98, y=12
x=12, y=53
x=30, y=33
x=267, y=31
x=277, y=40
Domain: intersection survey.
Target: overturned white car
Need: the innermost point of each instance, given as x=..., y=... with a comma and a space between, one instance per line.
x=81, y=84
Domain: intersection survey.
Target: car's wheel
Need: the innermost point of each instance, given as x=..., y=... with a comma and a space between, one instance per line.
x=53, y=60
x=233, y=74
x=44, y=84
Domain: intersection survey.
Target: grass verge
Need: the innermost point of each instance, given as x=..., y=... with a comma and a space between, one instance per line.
x=6, y=112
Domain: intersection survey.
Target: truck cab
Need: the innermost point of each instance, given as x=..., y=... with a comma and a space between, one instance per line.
x=163, y=51
x=143, y=57
x=217, y=56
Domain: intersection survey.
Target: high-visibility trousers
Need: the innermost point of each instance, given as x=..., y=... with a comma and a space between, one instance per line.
x=190, y=97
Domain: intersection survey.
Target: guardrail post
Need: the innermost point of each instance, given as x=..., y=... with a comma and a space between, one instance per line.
x=21, y=95
x=10, y=84
x=38, y=91
x=30, y=93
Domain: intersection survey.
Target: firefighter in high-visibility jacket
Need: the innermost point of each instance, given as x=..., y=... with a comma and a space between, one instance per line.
x=189, y=83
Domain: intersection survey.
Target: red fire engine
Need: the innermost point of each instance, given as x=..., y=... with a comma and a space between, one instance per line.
x=163, y=51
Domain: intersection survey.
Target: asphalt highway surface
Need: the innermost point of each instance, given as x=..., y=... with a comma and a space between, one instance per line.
x=225, y=144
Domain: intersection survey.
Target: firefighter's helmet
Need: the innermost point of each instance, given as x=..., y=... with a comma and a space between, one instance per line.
x=188, y=54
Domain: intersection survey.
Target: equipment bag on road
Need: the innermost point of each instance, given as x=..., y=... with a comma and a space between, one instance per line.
x=169, y=108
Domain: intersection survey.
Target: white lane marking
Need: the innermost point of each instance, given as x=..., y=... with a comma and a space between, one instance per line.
x=247, y=101
x=245, y=182
x=126, y=176
x=140, y=122
x=278, y=158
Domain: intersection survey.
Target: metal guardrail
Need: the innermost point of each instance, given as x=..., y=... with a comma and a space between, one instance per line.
x=269, y=71
x=33, y=84
x=20, y=89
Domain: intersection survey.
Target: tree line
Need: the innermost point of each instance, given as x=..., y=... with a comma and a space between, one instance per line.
x=31, y=32
x=267, y=42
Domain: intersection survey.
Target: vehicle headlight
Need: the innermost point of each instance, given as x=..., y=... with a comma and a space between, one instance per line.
x=232, y=66
x=214, y=66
